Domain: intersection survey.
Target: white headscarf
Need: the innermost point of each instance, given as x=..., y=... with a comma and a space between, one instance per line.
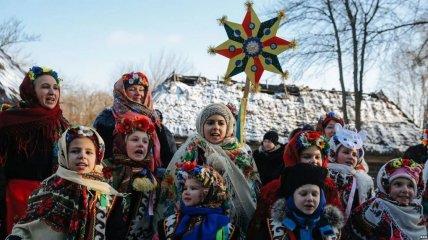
x=63, y=168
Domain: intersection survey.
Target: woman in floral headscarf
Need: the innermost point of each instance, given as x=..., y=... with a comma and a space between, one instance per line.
x=210, y=145
x=28, y=141
x=131, y=94
x=395, y=212
x=73, y=203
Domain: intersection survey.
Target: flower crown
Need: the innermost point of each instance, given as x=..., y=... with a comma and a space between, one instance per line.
x=409, y=164
x=129, y=125
x=37, y=71
x=309, y=138
x=135, y=78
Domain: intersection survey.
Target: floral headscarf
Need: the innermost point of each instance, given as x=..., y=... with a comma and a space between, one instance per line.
x=302, y=141
x=399, y=167
x=93, y=180
x=208, y=177
x=122, y=103
x=80, y=132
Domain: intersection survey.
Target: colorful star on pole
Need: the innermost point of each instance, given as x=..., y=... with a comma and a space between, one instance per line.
x=252, y=46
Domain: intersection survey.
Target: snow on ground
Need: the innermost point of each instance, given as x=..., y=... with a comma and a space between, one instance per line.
x=389, y=130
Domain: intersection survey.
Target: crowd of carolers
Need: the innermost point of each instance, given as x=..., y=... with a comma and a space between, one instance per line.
x=124, y=178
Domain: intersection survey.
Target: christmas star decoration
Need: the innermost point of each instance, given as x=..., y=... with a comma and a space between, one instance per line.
x=253, y=46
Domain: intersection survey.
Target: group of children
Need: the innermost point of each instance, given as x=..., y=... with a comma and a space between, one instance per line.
x=211, y=188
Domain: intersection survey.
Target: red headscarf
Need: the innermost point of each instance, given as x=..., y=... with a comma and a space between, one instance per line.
x=303, y=140
x=30, y=126
x=325, y=119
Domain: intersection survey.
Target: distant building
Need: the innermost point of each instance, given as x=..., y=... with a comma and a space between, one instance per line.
x=181, y=98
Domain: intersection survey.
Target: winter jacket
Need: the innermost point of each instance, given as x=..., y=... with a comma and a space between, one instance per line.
x=269, y=164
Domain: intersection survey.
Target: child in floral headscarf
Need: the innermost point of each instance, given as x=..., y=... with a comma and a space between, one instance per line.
x=202, y=212
x=131, y=171
x=395, y=212
x=346, y=156
x=75, y=201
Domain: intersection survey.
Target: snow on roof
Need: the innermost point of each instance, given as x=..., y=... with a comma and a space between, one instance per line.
x=389, y=129
x=11, y=76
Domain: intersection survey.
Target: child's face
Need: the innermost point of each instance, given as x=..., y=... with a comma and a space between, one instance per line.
x=268, y=145
x=215, y=128
x=81, y=155
x=347, y=156
x=307, y=198
x=137, y=145
x=193, y=192
x=311, y=155
x=329, y=129
x=402, y=190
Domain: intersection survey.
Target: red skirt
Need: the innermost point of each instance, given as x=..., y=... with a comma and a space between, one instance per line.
x=17, y=193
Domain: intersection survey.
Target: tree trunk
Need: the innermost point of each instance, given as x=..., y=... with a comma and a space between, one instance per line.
x=352, y=23
x=339, y=62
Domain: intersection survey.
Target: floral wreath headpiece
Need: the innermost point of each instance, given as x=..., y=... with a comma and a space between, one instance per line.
x=206, y=175
x=308, y=139
x=37, y=71
x=128, y=125
x=135, y=78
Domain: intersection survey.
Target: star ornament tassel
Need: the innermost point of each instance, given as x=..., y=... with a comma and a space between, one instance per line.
x=253, y=46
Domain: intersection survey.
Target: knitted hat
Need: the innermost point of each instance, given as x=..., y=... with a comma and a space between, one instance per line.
x=208, y=177
x=301, y=141
x=325, y=119
x=215, y=109
x=347, y=138
x=301, y=174
x=271, y=136
x=396, y=168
